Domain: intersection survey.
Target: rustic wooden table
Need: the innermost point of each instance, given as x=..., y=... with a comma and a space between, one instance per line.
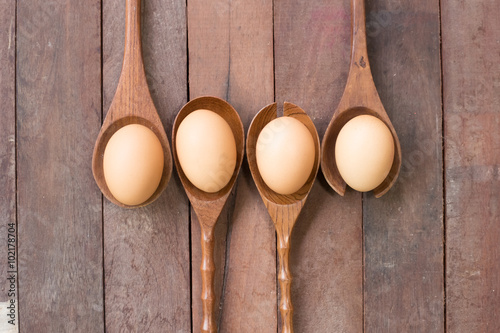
x=423, y=258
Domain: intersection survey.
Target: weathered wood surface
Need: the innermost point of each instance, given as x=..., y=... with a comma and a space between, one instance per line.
x=8, y=223
x=231, y=57
x=471, y=57
x=146, y=250
x=359, y=263
x=59, y=205
x=312, y=44
x=403, y=231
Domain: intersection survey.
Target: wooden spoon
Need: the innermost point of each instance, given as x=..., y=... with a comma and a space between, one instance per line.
x=283, y=209
x=360, y=98
x=208, y=206
x=132, y=104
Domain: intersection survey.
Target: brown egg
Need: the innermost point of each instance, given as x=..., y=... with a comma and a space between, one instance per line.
x=285, y=154
x=364, y=152
x=206, y=150
x=133, y=164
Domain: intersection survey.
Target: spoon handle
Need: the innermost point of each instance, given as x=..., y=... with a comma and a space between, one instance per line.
x=360, y=90
x=209, y=324
x=285, y=279
x=133, y=65
x=359, y=53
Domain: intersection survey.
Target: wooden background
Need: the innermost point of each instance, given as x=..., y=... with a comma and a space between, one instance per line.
x=423, y=258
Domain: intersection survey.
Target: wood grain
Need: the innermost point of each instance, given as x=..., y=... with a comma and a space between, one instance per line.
x=8, y=165
x=403, y=231
x=53, y=100
x=231, y=55
x=146, y=250
x=59, y=205
x=471, y=88
x=312, y=43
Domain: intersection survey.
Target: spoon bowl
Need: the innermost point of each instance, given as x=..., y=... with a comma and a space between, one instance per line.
x=132, y=104
x=283, y=209
x=208, y=206
x=360, y=98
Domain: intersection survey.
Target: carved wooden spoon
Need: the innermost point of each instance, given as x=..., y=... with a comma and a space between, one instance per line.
x=132, y=104
x=208, y=206
x=360, y=98
x=283, y=209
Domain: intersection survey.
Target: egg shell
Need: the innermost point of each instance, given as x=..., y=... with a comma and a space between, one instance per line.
x=285, y=154
x=133, y=164
x=364, y=152
x=206, y=150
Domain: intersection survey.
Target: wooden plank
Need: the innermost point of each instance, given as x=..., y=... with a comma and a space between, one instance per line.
x=312, y=42
x=9, y=307
x=59, y=205
x=471, y=89
x=146, y=250
x=208, y=76
x=403, y=230
x=231, y=57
